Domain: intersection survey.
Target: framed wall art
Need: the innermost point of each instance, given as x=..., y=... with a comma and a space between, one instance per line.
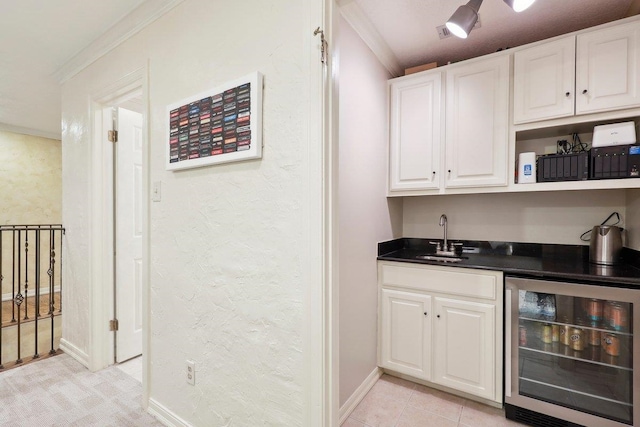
x=220, y=125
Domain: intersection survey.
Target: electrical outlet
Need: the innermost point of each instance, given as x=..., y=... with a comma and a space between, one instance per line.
x=191, y=372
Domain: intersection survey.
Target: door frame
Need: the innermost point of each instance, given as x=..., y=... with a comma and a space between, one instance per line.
x=101, y=340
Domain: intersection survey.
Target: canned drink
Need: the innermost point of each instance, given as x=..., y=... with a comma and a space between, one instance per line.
x=555, y=333
x=565, y=334
x=594, y=310
x=523, y=336
x=611, y=344
x=618, y=319
x=577, y=339
x=594, y=337
x=547, y=334
x=606, y=311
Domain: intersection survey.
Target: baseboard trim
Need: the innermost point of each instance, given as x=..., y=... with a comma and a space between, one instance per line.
x=165, y=416
x=359, y=394
x=74, y=352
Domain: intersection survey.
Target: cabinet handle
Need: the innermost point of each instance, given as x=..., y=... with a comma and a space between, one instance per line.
x=568, y=94
x=584, y=92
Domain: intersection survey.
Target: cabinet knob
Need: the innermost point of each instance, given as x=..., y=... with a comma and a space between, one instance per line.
x=438, y=316
x=425, y=313
x=434, y=172
x=584, y=92
x=568, y=94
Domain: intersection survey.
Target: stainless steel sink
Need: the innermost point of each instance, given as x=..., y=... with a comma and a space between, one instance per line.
x=441, y=258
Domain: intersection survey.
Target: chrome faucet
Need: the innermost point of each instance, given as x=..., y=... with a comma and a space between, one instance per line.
x=443, y=223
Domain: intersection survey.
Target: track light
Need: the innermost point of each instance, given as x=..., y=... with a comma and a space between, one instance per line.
x=519, y=5
x=463, y=19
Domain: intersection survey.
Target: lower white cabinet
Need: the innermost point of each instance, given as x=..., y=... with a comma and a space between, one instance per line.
x=442, y=325
x=406, y=332
x=464, y=346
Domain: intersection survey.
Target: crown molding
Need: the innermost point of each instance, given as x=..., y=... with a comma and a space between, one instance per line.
x=127, y=27
x=362, y=25
x=4, y=127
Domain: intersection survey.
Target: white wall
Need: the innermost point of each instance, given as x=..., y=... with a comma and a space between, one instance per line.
x=31, y=176
x=550, y=217
x=366, y=217
x=632, y=228
x=232, y=247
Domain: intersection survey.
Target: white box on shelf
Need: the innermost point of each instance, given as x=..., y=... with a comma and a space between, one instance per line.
x=527, y=168
x=614, y=134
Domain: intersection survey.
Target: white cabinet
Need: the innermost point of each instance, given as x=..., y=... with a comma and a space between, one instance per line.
x=464, y=346
x=592, y=72
x=414, y=156
x=608, y=69
x=442, y=325
x=406, y=332
x=477, y=119
x=477, y=122
x=544, y=81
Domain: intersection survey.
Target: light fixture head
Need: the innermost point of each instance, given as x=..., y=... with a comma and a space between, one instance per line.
x=519, y=5
x=462, y=21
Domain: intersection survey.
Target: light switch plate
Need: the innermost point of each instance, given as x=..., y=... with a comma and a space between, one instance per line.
x=156, y=192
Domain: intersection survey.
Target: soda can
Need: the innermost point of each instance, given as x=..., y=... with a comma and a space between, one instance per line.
x=594, y=309
x=555, y=333
x=618, y=320
x=611, y=344
x=577, y=339
x=523, y=336
x=547, y=334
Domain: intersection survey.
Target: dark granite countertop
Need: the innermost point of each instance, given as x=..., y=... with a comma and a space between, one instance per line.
x=551, y=261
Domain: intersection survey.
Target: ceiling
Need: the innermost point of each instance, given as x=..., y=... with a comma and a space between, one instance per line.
x=403, y=32
x=43, y=42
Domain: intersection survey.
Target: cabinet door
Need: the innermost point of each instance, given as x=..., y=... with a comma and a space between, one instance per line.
x=415, y=135
x=405, y=333
x=465, y=346
x=476, y=124
x=544, y=81
x=608, y=69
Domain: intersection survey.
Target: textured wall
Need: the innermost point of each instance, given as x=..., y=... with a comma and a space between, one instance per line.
x=553, y=217
x=365, y=215
x=230, y=255
x=31, y=176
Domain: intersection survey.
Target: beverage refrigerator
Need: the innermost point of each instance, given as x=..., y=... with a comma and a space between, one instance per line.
x=570, y=354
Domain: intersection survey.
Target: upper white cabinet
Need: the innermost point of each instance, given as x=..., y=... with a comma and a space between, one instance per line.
x=415, y=132
x=589, y=73
x=544, y=81
x=477, y=122
x=608, y=69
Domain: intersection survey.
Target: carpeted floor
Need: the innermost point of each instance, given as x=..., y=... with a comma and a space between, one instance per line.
x=61, y=392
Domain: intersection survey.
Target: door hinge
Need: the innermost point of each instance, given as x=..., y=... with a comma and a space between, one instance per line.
x=112, y=135
x=113, y=325
x=324, y=47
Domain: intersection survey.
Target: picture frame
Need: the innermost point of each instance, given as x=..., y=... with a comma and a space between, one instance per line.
x=220, y=125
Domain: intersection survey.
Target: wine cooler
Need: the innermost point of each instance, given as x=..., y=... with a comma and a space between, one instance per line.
x=570, y=354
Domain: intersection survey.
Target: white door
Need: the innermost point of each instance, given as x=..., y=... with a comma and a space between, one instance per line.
x=477, y=122
x=544, y=81
x=414, y=162
x=128, y=235
x=405, y=333
x=607, y=67
x=465, y=346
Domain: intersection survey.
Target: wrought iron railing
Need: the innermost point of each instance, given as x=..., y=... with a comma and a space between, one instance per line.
x=31, y=287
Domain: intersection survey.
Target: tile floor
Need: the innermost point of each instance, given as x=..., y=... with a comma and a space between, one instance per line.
x=132, y=367
x=394, y=402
